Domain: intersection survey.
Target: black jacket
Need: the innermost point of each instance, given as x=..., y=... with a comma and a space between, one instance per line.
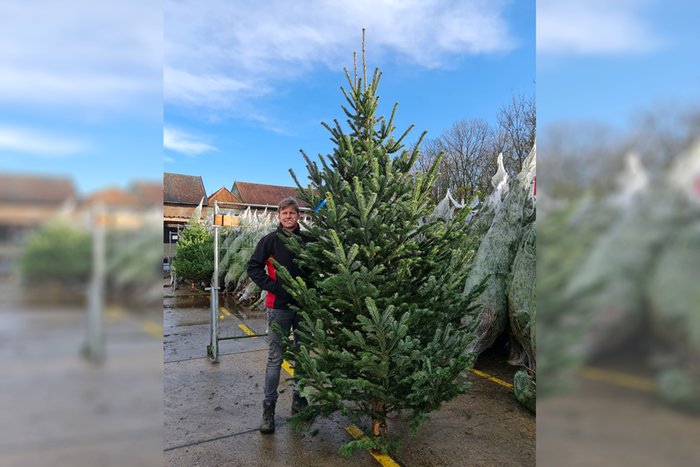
x=272, y=246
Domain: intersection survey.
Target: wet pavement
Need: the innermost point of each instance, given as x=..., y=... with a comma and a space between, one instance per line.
x=186, y=329
x=59, y=409
x=212, y=411
x=604, y=424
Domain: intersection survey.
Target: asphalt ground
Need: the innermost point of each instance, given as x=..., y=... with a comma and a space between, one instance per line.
x=60, y=409
x=212, y=411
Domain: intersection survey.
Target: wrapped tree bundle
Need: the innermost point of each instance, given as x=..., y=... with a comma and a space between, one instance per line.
x=564, y=237
x=237, y=247
x=493, y=259
x=522, y=312
x=133, y=259
x=525, y=389
x=445, y=209
x=522, y=301
x=482, y=219
x=674, y=297
x=607, y=289
x=674, y=294
x=680, y=387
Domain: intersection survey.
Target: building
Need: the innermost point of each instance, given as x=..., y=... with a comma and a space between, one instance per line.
x=257, y=195
x=26, y=202
x=182, y=194
x=262, y=197
x=150, y=194
x=111, y=197
x=129, y=208
x=223, y=195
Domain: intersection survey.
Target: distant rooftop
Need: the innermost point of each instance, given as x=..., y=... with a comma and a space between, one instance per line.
x=150, y=193
x=263, y=195
x=183, y=189
x=112, y=196
x=38, y=189
x=223, y=195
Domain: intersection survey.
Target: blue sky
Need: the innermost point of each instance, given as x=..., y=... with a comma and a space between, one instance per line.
x=247, y=88
x=86, y=89
x=81, y=90
x=608, y=62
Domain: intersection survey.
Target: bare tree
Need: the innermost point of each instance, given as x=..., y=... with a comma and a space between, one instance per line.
x=468, y=144
x=470, y=149
x=517, y=122
x=465, y=148
x=577, y=156
x=662, y=133
x=430, y=150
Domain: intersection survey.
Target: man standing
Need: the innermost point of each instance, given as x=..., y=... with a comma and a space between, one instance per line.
x=262, y=272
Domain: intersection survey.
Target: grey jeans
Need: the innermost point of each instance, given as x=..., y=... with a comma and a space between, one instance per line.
x=287, y=320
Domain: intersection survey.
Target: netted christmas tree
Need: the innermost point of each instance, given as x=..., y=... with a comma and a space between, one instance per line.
x=236, y=248
x=381, y=294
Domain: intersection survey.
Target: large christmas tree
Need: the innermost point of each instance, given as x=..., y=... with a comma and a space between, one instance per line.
x=381, y=297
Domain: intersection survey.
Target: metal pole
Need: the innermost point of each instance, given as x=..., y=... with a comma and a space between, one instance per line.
x=94, y=345
x=214, y=328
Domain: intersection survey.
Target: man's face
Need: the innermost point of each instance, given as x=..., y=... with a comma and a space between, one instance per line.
x=288, y=217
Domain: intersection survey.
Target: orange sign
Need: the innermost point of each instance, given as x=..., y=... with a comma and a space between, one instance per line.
x=226, y=220
x=119, y=220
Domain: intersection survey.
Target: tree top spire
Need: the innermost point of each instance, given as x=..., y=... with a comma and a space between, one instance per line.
x=364, y=62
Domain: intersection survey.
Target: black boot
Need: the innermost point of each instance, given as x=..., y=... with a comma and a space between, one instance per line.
x=299, y=403
x=268, y=422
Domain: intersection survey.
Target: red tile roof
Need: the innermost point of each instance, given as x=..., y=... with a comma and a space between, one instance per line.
x=22, y=188
x=112, y=197
x=259, y=194
x=149, y=193
x=183, y=189
x=223, y=195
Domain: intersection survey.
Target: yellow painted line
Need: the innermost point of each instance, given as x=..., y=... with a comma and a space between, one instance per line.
x=288, y=368
x=153, y=328
x=383, y=459
x=355, y=432
x=221, y=316
x=224, y=311
x=491, y=378
x=247, y=330
x=114, y=313
x=618, y=378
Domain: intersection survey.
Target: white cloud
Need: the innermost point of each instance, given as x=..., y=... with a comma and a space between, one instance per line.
x=220, y=53
x=83, y=89
x=593, y=27
x=80, y=54
x=15, y=139
x=210, y=90
x=185, y=143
